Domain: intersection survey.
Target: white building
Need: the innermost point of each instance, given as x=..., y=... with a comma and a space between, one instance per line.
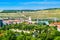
x=29, y=20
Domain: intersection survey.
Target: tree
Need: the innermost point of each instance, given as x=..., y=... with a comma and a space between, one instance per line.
x=57, y=38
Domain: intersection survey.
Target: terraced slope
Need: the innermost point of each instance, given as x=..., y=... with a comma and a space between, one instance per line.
x=51, y=13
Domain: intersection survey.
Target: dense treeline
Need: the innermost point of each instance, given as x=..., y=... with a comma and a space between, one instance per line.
x=37, y=32
x=15, y=11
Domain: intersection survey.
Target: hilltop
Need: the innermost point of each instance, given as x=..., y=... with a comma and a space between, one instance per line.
x=14, y=11
x=45, y=13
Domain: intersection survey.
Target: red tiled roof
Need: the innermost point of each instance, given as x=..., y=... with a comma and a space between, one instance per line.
x=17, y=20
x=55, y=24
x=58, y=26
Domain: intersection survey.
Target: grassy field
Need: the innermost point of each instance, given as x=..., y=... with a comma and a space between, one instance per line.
x=45, y=14
x=34, y=14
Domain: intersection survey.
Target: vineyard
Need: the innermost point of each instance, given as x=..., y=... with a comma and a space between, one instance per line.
x=50, y=13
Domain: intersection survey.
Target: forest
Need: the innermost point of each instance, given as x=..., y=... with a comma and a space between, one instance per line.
x=36, y=32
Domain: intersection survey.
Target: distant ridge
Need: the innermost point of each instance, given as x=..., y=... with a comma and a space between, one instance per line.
x=41, y=13
x=51, y=9
x=15, y=11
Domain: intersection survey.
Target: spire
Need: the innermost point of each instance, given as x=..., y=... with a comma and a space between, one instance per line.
x=29, y=20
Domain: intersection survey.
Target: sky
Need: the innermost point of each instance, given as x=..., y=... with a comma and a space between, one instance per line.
x=28, y=4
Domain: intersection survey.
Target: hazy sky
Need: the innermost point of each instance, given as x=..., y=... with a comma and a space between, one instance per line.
x=29, y=4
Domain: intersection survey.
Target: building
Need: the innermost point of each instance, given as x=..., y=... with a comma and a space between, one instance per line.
x=29, y=20
x=56, y=24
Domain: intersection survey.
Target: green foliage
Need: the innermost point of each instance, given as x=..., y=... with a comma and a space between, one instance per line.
x=37, y=32
x=57, y=38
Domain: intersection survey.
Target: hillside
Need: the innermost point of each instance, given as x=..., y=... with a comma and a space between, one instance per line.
x=46, y=13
